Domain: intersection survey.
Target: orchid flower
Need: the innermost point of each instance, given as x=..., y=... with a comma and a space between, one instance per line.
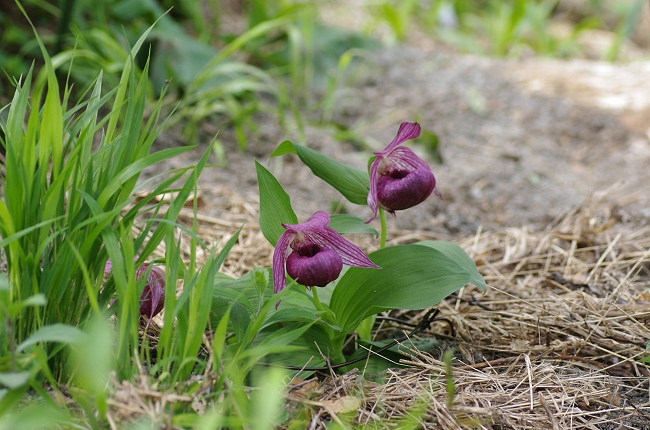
x=152, y=299
x=314, y=253
x=399, y=179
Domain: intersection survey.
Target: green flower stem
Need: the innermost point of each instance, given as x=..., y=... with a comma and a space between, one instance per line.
x=364, y=330
x=382, y=220
x=317, y=301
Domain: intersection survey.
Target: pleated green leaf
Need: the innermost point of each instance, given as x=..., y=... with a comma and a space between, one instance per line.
x=352, y=183
x=412, y=277
x=275, y=205
x=350, y=224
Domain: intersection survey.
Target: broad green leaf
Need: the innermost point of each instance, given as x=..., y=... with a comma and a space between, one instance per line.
x=268, y=398
x=61, y=333
x=35, y=300
x=235, y=291
x=350, y=224
x=36, y=415
x=240, y=318
x=183, y=57
x=275, y=205
x=411, y=277
x=292, y=314
x=352, y=183
x=296, y=305
x=456, y=253
x=286, y=335
x=95, y=359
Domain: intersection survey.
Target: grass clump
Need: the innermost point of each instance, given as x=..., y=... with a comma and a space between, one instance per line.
x=67, y=207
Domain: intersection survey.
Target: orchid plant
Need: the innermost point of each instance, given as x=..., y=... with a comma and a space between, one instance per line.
x=318, y=301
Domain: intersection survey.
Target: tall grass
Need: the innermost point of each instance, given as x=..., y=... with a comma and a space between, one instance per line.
x=67, y=206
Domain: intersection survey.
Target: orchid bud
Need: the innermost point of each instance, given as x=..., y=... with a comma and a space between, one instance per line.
x=152, y=299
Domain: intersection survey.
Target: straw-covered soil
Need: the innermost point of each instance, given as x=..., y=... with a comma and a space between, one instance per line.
x=557, y=341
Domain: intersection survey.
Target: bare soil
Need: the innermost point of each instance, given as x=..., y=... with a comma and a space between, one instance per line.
x=523, y=142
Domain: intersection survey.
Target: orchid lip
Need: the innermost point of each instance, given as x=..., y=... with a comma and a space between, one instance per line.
x=401, y=189
x=315, y=269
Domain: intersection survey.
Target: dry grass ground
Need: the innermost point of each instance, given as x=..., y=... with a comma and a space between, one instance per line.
x=556, y=342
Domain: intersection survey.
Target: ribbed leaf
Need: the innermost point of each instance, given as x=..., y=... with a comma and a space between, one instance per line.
x=456, y=253
x=352, y=183
x=275, y=205
x=350, y=224
x=13, y=380
x=412, y=277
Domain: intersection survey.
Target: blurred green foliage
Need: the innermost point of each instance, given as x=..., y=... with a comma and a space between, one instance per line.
x=226, y=60
x=510, y=28
x=216, y=59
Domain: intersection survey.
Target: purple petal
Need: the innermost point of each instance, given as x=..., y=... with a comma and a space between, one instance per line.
x=405, y=158
x=372, y=194
x=350, y=254
x=279, y=255
x=407, y=131
x=318, y=220
x=108, y=267
x=152, y=299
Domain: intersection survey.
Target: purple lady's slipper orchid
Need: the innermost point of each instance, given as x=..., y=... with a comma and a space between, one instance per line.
x=314, y=253
x=152, y=299
x=399, y=179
